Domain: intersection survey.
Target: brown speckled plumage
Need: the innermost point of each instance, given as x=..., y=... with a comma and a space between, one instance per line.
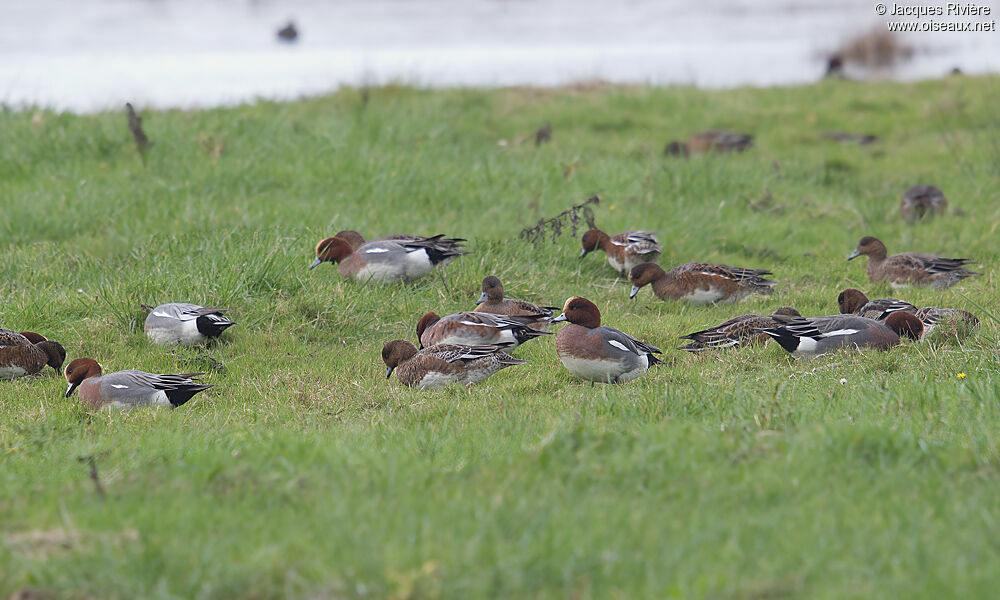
x=444, y=364
x=910, y=267
x=701, y=282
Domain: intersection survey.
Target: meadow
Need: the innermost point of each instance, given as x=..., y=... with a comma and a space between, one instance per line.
x=304, y=473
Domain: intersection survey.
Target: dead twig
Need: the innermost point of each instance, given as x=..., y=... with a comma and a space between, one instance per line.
x=142, y=142
x=92, y=462
x=570, y=217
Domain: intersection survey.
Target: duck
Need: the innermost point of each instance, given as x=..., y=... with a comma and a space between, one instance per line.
x=708, y=141
x=475, y=329
x=444, y=364
x=598, y=353
x=853, y=301
x=815, y=336
x=903, y=269
x=22, y=355
x=742, y=330
x=128, y=389
x=922, y=201
x=701, y=283
x=624, y=250
x=186, y=324
x=931, y=316
x=356, y=240
x=386, y=261
x=492, y=301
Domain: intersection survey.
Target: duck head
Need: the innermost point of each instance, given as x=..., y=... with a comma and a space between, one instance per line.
x=332, y=249
x=644, y=274
x=79, y=370
x=395, y=353
x=580, y=311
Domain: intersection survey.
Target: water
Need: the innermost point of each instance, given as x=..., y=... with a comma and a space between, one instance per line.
x=94, y=55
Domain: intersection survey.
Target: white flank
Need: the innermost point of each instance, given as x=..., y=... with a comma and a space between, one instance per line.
x=806, y=347
x=899, y=285
x=604, y=371
x=11, y=372
x=703, y=296
x=418, y=263
x=175, y=331
x=380, y=272
x=617, y=266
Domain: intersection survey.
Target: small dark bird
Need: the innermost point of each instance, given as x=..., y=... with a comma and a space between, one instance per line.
x=834, y=66
x=288, y=33
x=922, y=201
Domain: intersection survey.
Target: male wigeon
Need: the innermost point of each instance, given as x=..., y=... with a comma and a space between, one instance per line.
x=186, y=324
x=596, y=352
x=444, y=364
x=20, y=356
x=931, y=316
x=386, y=261
x=701, y=283
x=475, y=329
x=853, y=301
x=356, y=240
x=624, y=250
x=710, y=141
x=820, y=335
x=742, y=330
x=922, y=201
x=492, y=301
x=128, y=389
x=910, y=267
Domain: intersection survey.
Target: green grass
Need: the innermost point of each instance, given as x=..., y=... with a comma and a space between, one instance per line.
x=305, y=473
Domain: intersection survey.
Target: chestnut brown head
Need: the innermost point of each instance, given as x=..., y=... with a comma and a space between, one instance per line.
x=580, y=311
x=425, y=323
x=676, y=148
x=79, y=370
x=492, y=290
x=644, y=274
x=905, y=324
x=592, y=240
x=851, y=300
x=871, y=247
x=355, y=239
x=396, y=352
x=332, y=249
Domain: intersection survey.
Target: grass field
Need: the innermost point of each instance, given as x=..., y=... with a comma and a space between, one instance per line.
x=304, y=473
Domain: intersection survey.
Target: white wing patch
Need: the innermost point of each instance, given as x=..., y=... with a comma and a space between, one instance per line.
x=840, y=332
x=119, y=387
x=376, y=250
x=619, y=345
x=163, y=314
x=474, y=324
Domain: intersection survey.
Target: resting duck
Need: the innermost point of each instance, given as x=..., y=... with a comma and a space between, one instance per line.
x=903, y=269
x=386, y=261
x=853, y=301
x=492, y=301
x=625, y=250
x=128, y=389
x=711, y=141
x=931, y=316
x=186, y=324
x=701, y=283
x=27, y=354
x=598, y=353
x=743, y=330
x=820, y=335
x=475, y=329
x=444, y=364
x=356, y=240
x=922, y=201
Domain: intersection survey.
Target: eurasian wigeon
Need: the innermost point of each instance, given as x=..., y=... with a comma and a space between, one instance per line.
x=931, y=316
x=910, y=267
x=386, y=261
x=475, y=329
x=128, y=389
x=853, y=301
x=701, y=283
x=710, y=141
x=20, y=356
x=493, y=301
x=624, y=250
x=862, y=139
x=743, y=330
x=598, y=353
x=186, y=324
x=444, y=364
x=922, y=201
x=356, y=240
x=820, y=335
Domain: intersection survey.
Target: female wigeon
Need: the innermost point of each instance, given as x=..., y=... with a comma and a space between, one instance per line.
x=931, y=316
x=186, y=324
x=492, y=301
x=20, y=356
x=853, y=301
x=708, y=141
x=128, y=389
x=624, y=250
x=386, y=261
x=910, y=267
x=821, y=335
x=475, y=329
x=922, y=201
x=356, y=240
x=701, y=283
x=444, y=364
x=743, y=330
x=598, y=353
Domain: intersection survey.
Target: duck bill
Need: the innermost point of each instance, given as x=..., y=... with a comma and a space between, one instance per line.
x=635, y=290
x=560, y=318
x=315, y=263
x=482, y=299
x=388, y=372
x=69, y=390
x=854, y=255
x=584, y=252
